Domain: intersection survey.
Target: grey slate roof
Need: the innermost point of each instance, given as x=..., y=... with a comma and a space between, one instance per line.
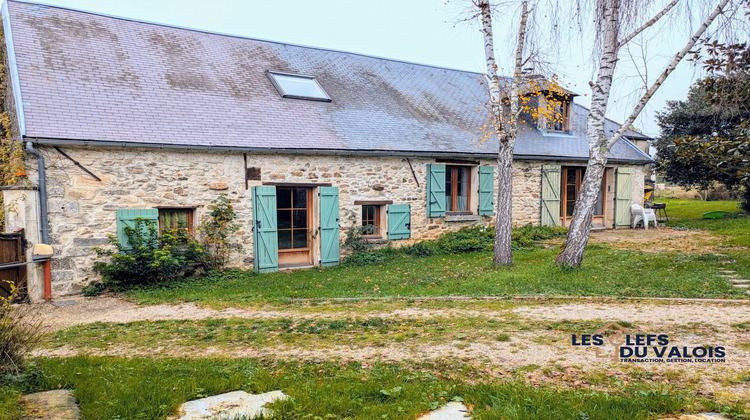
x=85, y=76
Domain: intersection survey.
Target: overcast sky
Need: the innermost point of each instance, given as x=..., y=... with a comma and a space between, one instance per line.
x=423, y=31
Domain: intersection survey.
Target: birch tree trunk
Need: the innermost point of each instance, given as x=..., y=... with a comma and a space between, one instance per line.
x=580, y=224
x=599, y=144
x=506, y=135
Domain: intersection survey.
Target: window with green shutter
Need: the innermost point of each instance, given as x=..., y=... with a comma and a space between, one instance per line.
x=128, y=218
x=551, y=195
x=265, y=237
x=486, y=190
x=329, y=226
x=436, y=190
x=623, y=196
x=399, y=221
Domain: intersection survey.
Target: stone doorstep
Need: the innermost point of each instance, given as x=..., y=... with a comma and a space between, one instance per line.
x=59, y=404
x=228, y=406
x=451, y=411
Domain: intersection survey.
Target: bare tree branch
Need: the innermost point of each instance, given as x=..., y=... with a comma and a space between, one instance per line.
x=648, y=24
x=667, y=71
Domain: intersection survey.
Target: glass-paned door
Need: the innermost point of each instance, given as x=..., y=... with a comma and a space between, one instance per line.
x=293, y=213
x=571, y=188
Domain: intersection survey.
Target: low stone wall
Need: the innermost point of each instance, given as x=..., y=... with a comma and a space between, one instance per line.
x=82, y=210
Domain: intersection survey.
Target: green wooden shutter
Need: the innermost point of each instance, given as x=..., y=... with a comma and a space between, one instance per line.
x=127, y=218
x=265, y=236
x=399, y=221
x=623, y=196
x=329, y=226
x=435, y=190
x=486, y=190
x=551, y=195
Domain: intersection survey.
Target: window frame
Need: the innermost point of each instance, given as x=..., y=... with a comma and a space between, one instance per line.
x=452, y=172
x=579, y=170
x=309, y=229
x=548, y=125
x=190, y=218
x=282, y=92
x=377, y=218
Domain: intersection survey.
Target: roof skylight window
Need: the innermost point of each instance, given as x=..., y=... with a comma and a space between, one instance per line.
x=297, y=86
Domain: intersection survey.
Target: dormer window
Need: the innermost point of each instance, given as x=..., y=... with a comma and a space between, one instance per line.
x=297, y=86
x=555, y=114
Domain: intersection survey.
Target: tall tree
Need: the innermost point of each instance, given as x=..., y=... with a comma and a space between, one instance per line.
x=612, y=18
x=705, y=138
x=514, y=100
x=504, y=125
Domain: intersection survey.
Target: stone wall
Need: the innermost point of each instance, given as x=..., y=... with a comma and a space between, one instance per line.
x=82, y=210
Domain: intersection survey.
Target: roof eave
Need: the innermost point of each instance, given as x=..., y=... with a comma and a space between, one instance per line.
x=341, y=152
x=13, y=67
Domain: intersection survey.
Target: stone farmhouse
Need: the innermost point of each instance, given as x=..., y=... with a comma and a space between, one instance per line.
x=124, y=119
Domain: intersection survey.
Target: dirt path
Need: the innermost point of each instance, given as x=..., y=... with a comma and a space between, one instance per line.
x=110, y=309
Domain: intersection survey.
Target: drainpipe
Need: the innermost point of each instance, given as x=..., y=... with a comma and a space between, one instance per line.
x=44, y=222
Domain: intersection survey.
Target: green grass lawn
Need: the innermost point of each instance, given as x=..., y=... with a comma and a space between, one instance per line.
x=688, y=214
x=606, y=272
x=357, y=332
x=695, y=209
x=137, y=388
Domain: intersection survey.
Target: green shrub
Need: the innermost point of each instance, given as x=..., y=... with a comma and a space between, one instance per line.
x=482, y=238
x=216, y=233
x=355, y=240
x=149, y=259
x=420, y=249
x=94, y=288
x=361, y=258
x=527, y=235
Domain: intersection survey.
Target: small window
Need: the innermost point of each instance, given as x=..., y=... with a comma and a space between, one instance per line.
x=554, y=115
x=176, y=221
x=560, y=119
x=298, y=87
x=457, y=187
x=371, y=222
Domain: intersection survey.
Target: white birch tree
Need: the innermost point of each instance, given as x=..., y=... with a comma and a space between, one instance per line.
x=504, y=126
x=611, y=17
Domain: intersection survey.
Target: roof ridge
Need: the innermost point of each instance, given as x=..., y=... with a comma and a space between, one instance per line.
x=206, y=31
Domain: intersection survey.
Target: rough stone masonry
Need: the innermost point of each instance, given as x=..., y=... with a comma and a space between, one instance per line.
x=82, y=210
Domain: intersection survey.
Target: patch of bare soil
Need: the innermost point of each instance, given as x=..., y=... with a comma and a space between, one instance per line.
x=662, y=239
x=111, y=309
x=639, y=312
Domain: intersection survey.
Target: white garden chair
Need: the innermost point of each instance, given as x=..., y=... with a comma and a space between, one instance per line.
x=640, y=214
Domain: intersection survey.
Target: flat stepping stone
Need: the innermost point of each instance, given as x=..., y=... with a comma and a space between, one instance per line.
x=728, y=276
x=452, y=410
x=739, y=281
x=743, y=286
x=727, y=271
x=59, y=404
x=232, y=405
x=701, y=416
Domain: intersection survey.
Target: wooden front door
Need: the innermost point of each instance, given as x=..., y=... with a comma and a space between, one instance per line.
x=571, y=186
x=294, y=218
